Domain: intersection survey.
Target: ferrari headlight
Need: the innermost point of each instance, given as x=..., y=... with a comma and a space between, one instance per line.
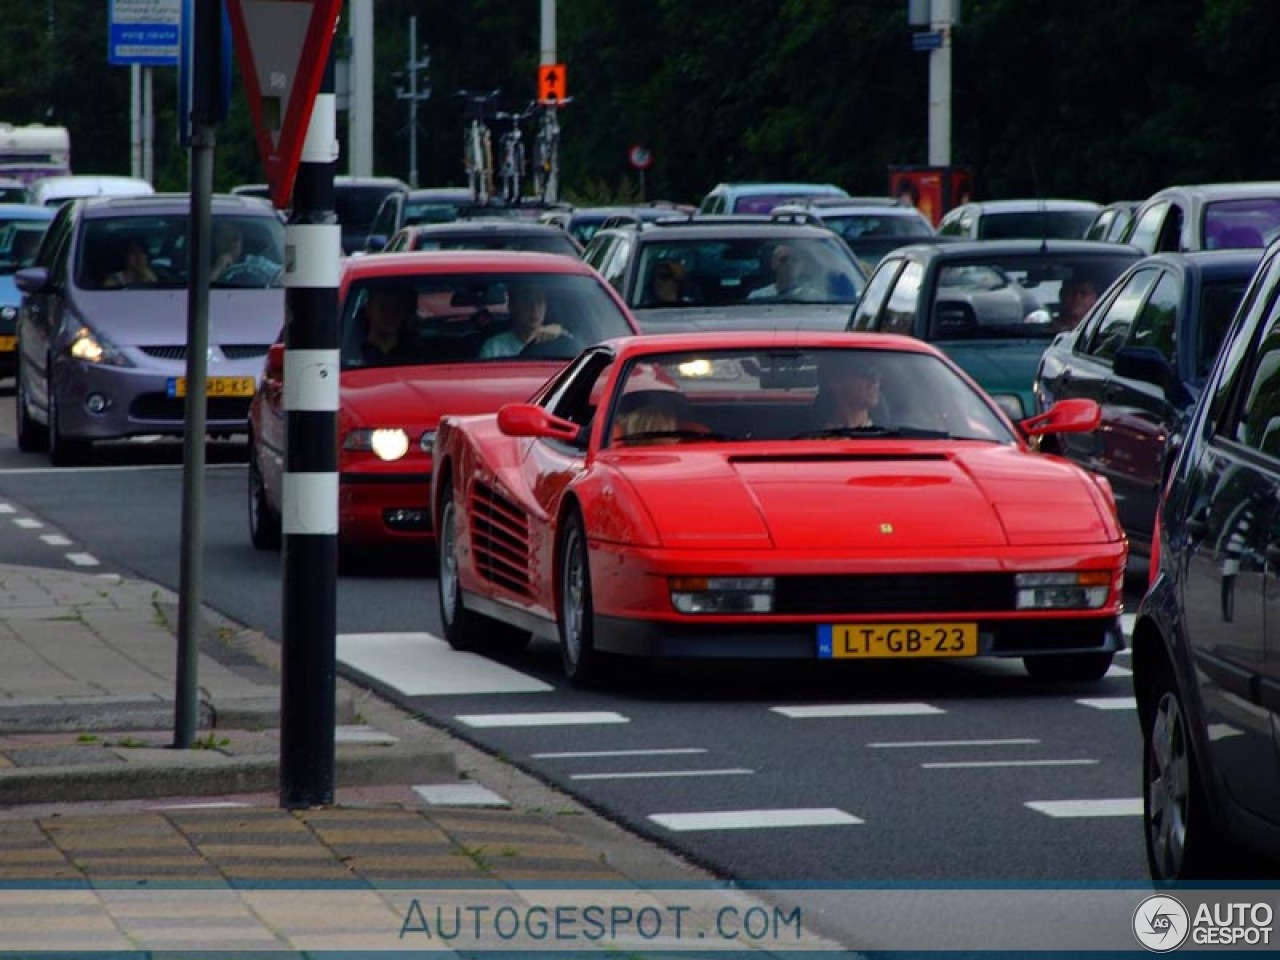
x=1011, y=404
x=386, y=443
x=1074, y=590
x=93, y=347
x=722, y=594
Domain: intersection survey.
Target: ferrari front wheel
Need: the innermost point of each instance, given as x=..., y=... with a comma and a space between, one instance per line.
x=578, y=654
x=459, y=623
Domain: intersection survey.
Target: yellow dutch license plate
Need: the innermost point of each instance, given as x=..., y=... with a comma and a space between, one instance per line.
x=8, y=344
x=891, y=640
x=216, y=387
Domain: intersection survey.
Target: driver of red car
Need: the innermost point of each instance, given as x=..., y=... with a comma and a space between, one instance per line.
x=527, y=306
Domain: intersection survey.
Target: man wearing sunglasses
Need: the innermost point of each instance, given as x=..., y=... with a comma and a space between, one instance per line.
x=848, y=390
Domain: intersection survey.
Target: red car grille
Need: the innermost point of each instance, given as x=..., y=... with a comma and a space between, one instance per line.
x=917, y=593
x=499, y=539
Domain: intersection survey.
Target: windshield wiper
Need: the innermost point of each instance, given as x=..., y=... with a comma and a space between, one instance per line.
x=872, y=430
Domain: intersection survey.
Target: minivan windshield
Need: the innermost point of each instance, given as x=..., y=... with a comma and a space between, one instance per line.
x=130, y=252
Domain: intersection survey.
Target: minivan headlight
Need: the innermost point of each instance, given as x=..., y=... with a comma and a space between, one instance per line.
x=1068, y=590
x=92, y=347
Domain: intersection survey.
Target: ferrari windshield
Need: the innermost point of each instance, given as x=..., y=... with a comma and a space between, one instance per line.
x=798, y=394
x=430, y=318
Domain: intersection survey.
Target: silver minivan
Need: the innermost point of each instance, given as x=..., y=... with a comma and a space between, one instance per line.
x=102, y=327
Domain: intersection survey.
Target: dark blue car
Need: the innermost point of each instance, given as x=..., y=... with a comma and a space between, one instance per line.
x=1206, y=640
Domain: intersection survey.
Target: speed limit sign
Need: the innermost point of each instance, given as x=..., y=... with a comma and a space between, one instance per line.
x=640, y=157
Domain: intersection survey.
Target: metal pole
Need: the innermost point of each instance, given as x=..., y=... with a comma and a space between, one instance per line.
x=413, y=102
x=135, y=119
x=360, y=89
x=207, y=55
x=310, y=520
x=548, y=56
x=148, y=125
x=943, y=17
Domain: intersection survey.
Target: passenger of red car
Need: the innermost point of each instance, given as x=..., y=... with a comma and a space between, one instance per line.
x=389, y=317
x=848, y=389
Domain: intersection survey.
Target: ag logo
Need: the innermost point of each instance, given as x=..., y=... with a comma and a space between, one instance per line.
x=1161, y=923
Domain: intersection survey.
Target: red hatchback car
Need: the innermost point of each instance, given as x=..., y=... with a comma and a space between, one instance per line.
x=423, y=335
x=776, y=496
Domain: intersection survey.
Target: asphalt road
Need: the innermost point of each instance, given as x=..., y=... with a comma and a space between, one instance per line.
x=937, y=772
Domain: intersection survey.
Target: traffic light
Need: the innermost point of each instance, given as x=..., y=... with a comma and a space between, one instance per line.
x=551, y=83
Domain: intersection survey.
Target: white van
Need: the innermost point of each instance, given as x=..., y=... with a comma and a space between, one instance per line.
x=51, y=191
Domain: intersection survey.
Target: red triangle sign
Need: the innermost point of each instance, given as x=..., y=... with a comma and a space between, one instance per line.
x=282, y=47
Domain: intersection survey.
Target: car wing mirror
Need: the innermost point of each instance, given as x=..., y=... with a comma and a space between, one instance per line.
x=33, y=280
x=1074, y=415
x=531, y=420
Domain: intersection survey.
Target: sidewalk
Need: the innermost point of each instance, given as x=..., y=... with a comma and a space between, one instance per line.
x=94, y=799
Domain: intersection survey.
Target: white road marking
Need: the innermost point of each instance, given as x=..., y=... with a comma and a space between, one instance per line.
x=7, y=508
x=756, y=819
x=1114, y=671
x=1111, y=807
x=63, y=471
x=83, y=559
x=1010, y=742
x=1109, y=703
x=593, y=754
x=421, y=665
x=1127, y=620
x=467, y=794
x=27, y=523
x=199, y=805
x=977, y=764
x=550, y=719
x=659, y=774
x=362, y=733
x=858, y=710
x=55, y=540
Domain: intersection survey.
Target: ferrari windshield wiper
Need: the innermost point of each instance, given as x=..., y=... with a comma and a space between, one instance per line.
x=872, y=430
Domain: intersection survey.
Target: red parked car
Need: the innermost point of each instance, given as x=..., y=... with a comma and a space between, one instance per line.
x=713, y=495
x=390, y=402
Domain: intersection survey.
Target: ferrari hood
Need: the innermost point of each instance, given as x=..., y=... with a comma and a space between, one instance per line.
x=865, y=496
x=745, y=316
x=389, y=396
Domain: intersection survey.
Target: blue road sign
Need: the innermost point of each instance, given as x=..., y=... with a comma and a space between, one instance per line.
x=145, y=32
x=927, y=40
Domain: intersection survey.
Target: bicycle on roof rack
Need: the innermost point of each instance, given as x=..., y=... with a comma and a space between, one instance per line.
x=546, y=151
x=477, y=143
x=511, y=172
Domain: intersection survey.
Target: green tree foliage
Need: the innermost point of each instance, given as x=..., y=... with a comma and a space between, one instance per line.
x=1107, y=99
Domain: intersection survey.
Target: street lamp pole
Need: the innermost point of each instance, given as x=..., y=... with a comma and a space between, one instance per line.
x=942, y=18
x=413, y=94
x=547, y=58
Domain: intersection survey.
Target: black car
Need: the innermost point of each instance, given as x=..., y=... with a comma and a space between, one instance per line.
x=725, y=271
x=491, y=234
x=402, y=208
x=1206, y=640
x=1143, y=353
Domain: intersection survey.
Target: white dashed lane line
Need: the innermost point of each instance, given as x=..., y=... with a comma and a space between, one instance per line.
x=755, y=819
x=49, y=539
x=858, y=710
x=1100, y=807
x=550, y=719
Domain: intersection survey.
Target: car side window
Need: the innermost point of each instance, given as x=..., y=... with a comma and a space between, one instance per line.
x=577, y=395
x=1257, y=421
x=1114, y=325
x=868, y=308
x=1257, y=309
x=1156, y=323
x=904, y=301
x=614, y=270
x=55, y=239
x=1146, y=230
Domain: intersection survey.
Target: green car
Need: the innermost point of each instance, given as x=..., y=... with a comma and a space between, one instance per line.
x=993, y=306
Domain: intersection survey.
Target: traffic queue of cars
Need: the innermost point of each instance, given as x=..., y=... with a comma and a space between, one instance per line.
x=716, y=436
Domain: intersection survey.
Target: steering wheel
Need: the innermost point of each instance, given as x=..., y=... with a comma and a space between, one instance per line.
x=562, y=347
x=245, y=274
